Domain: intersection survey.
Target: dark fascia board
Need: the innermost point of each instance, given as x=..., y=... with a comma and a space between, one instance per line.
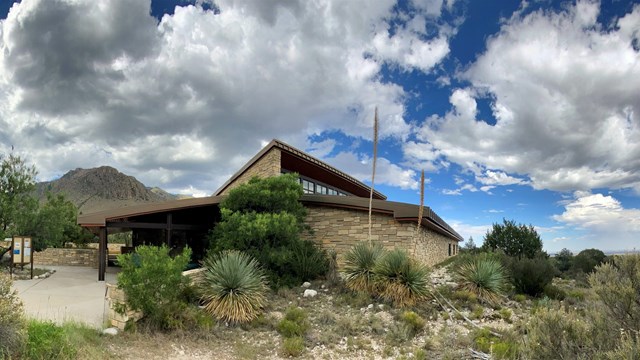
x=300, y=154
x=100, y=218
x=400, y=211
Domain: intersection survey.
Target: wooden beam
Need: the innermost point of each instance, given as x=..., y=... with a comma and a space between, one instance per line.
x=102, y=254
x=159, y=226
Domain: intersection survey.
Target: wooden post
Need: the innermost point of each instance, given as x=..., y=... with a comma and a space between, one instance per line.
x=102, y=254
x=169, y=226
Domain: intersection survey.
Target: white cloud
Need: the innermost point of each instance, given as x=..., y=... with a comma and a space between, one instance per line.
x=567, y=111
x=607, y=223
x=86, y=83
x=466, y=230
x=387, y=173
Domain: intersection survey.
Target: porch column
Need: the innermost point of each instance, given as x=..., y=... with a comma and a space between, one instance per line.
x=102, y=254
x=169, y=226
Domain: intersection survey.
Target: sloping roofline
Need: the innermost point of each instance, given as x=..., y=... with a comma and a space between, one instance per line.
x=301, y=155
x=400, y=211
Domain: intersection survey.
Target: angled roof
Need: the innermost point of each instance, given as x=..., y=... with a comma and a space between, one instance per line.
x=100, y=218
x=306, y=158
x=400, y=211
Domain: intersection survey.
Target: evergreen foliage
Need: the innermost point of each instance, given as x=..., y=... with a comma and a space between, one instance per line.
x=530, y=276
x=587, y=260
x=564, y=260
x=359, y=265
x=17, y=182
x=154, y=285
x=483, y=276
x=518, y=240
x=400, y=279
x=12, y=324
x=265, y=219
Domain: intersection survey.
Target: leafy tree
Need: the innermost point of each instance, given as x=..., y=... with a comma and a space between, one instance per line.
x=513, y=239
x=470, y=244
x=53, y=224
x=587, y=260
x=564, y=260
x=264, y=219
x=17, y=182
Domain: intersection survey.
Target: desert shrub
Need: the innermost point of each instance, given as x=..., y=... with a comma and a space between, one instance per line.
x=517, y=240
x=414, y=321
x=628, y=348
x=587, y=260
x=293, y=346
x=563, y=260
x=400, y=279
x=333, y=276
x=617, y=285
x=11, y=320
x=484, y=277
x=233, y=287
x=530, y=276
x=465, y=296
x=554, y=292
x=308, y=260
x=47, y=340
x=359, y=263
x=500, y=348
x=294, y=323
x=520, y=298
x=558, y=334
x=153, y=284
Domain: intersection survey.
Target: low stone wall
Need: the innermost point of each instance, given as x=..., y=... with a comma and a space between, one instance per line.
x=67, y=257
x=116, y=298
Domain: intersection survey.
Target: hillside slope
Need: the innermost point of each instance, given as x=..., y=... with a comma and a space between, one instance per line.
x=101, y=188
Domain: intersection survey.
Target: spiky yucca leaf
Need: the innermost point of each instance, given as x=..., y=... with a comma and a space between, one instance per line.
x=400, y=279
x=233, y=286
x=359, y=264
x=484, y=277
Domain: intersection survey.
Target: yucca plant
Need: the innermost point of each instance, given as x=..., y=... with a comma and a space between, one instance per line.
x=359, y=264
x=233, y=286
x=400, y=279
x=484, y=277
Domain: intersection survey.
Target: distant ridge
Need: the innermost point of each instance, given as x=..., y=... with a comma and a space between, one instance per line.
x=102, y=188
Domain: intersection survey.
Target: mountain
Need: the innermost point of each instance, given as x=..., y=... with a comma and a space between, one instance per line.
x=102, y=188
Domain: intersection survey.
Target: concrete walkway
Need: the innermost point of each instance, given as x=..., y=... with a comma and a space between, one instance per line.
x=72, y=293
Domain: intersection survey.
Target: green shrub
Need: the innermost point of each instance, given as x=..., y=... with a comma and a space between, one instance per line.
x=153, y=284
x=47, y=340
x=233, y=287
x=11, y=320
x=293, y=346
x=359, y=265
x=554, y=292
x=400, y=279
x=264, y=219
x=558, y=334
x=587, y=260
x=530, y=276
x=505, y=314
x=414, y=321
x=520, y=298
x=294, y=323
x=465, y=296
x=617, y=285
x=484, y=277
x=500, y=348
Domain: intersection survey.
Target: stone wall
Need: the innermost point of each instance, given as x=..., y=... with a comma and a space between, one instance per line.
x=268, y=165
x=340, y=229
x=116, y=299
x=67, y=257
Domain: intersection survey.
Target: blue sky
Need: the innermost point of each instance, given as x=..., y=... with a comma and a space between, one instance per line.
x=521, y=110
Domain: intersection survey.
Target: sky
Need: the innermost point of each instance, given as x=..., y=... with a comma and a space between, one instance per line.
x=520, y=110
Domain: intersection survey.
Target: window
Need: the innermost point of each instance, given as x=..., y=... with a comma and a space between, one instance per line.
x=449, y=249
x=308, y=187
x=332, y=192
x=321, y=189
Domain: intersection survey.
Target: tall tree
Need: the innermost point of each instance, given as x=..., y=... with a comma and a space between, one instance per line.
x=516, y=240
x=17, y=182
x=470, y=244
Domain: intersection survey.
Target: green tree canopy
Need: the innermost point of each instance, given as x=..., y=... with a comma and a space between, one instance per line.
x=264, y=218
x=564, y=259
x=587, y=260
x=470, y=244
x=17, y=182
x=513, y=239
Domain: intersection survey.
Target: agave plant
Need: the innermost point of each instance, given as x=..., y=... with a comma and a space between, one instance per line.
x=484, y=277
x=233, y=286
x=359, y=264
x=400, y=279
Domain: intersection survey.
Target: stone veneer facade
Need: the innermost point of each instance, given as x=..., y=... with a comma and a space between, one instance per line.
x=67, y=257
x=268, y=165
x=339, y=229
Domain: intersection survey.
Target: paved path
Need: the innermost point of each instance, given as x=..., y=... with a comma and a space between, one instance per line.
x=72, y=293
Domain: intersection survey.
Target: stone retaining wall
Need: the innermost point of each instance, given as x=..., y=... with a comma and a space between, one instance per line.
x=67, y=257
x=339, y=229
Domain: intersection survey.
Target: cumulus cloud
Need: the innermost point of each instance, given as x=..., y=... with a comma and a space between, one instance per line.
x=387, y=173
x=603, y=218
x=567, y=112
x=194, y=95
